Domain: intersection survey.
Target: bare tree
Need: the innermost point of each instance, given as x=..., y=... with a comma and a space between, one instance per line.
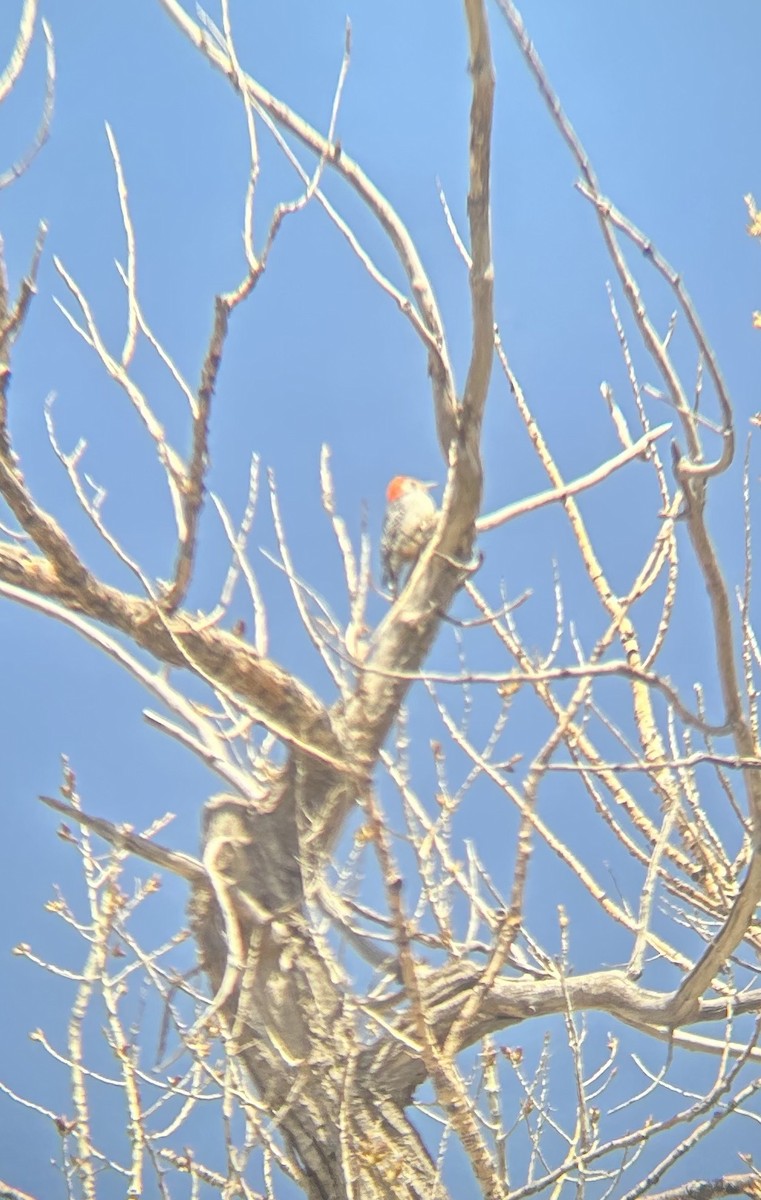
x=361, y=962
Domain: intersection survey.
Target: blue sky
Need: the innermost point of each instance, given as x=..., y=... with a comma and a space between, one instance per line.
x=666, y=104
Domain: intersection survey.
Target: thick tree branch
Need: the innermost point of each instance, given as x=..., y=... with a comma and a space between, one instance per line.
x=121, y=837
x=713, y=1189
x=403, y=639
x=511, y=1001
x=284, y=705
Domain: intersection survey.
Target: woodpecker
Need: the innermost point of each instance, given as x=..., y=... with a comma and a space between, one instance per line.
x=409, y=522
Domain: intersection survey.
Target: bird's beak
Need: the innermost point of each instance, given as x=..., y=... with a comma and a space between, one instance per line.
x=428, y=486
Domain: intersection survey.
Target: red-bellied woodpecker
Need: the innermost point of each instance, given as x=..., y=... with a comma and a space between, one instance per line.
x=410, y=520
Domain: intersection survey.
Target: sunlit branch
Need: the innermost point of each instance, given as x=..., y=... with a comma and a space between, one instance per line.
x=610, y=213
x=519, y=507
x=298, y=589
x=215, y=751
x=91, y=507
x=43, y=129
x=712, y=1189
x=241, y=563
x=341, y=162
x=650, y=336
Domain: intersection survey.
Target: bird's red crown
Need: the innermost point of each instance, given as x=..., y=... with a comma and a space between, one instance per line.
x=401, y=484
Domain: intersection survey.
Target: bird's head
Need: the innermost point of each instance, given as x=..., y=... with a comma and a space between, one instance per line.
x=400, y=485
